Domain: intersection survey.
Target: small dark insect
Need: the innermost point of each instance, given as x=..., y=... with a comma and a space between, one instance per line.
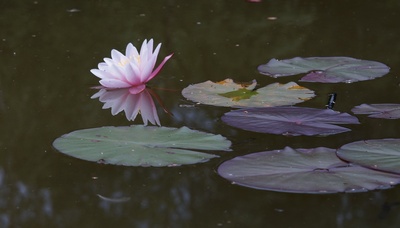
x=331, y=101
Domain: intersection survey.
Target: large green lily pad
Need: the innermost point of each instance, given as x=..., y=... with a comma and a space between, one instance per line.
x=139, y=145
x=325, y=69
x=230, y=94
x=380, y=154
x=316, y=171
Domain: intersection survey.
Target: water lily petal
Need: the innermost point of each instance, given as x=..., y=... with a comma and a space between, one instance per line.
x=116, y=107
x=102, y=66
x=137, y=89
x=134, y=78
x=114, y=100
x=149, y=111
x=117, y=56
x=109, y=61
x=151, y=62
x=155, y=53
x=114, y=83
x=132, y=107
x=100, y=93
x=131, y=51
x=155, y=72
x=133, y=55
x=118, y=73
x=125, y=71
x=144, y=51
x=101, y=74
x=131, y=76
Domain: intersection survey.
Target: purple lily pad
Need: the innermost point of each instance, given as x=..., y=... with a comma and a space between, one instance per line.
x=315, y=171
x=291, y=121
x=380, y=154
x=325, y=69
x=383, y=111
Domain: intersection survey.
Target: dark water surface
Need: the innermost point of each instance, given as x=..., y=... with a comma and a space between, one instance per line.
x=48, y=47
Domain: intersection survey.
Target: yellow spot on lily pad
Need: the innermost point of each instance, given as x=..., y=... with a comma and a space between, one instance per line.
x=297, y=87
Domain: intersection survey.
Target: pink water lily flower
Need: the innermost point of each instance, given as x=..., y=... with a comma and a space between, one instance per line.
x=132, y=70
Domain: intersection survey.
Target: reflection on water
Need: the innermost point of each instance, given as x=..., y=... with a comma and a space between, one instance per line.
x=131, y=103
x=46, y=52
x=20, y=204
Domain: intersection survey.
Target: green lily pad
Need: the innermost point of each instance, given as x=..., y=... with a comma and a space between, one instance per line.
x=314, y=171
x=380, y=154
x=325, y=69
x=139, y=145
x=230, y=94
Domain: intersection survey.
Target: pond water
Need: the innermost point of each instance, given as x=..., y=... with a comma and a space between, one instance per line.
x=48, y=47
